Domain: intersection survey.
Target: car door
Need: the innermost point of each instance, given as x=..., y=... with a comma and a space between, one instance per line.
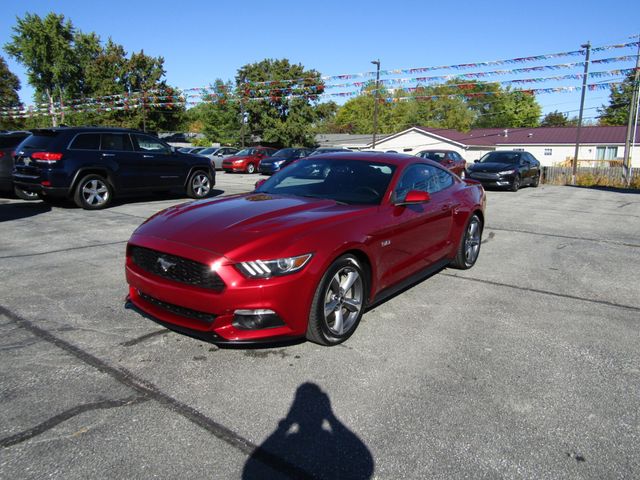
x=418, y=235
x=117, y=150
x=162, y=167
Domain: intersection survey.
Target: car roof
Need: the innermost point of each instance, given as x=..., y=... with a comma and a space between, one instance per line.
x=88, y=129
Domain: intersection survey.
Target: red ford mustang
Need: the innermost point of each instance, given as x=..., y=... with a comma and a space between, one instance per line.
x=307, y=252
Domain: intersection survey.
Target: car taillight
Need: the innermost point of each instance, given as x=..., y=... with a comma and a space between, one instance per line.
x=49, y=157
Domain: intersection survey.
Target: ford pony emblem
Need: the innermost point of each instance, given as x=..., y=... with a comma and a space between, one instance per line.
x=165, y=264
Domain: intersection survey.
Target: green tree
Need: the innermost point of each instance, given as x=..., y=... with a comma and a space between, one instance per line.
x=356, y=115
x=498, y=107
x=617, y=112
x=219, y=115
x=440, y=106
x=9, y=99
x=44, y=47
x=280, y=112
x=554, y=119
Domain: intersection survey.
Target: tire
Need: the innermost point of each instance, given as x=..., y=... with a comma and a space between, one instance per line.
x=199, y=184
x=470, y=243
x=336, y=313
x=251, y=168
x=536, y=181
x=515, y=185
x=93, y=192
x=24, y=195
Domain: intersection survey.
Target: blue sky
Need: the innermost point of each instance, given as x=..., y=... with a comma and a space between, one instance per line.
x=204, y=40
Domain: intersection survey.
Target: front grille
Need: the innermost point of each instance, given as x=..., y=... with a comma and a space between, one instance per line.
x=178, y=310
x=490, y=176
x=175, y=268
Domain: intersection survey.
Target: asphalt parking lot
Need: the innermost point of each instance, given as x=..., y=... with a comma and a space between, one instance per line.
x=526, y=366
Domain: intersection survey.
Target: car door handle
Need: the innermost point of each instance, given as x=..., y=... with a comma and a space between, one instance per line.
x=147, y=156
x=108, y=154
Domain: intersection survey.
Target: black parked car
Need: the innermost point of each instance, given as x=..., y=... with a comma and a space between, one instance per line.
x=8, y=143
x=506, y=169
x=281, y=159
x=92, y=164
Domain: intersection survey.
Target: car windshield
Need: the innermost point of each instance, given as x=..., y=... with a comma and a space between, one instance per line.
x=346, y=181
x=501, y=157
x=208, y=151
x=435, y=156
x=285, y=153
x=246, y=151
x=327, y=150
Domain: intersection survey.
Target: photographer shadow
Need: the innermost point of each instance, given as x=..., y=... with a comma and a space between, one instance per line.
x=310, y=442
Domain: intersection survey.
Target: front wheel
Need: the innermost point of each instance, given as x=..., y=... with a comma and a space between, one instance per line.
x=93, y=192
x=515, y=185
x=338, y=303
x=251, y=168
x=199, y=185
x=469, y=247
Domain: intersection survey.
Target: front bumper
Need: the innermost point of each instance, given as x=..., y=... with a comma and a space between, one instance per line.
x=491, y=179
x=210, y=314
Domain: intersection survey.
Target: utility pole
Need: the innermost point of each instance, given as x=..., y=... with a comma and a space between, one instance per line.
x=631, y=124
x=375, y=106
x=574, y=165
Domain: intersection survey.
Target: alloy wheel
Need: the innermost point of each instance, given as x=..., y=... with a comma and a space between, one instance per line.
x=201, y=185
x=95, y=192
x=472, y=241
x=343, y=300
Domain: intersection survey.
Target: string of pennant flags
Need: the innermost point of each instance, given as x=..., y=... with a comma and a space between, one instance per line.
x=184, y=102
x=309, y=88
x=460, y=66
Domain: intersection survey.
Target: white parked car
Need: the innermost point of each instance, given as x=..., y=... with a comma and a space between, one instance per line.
x=217, y=154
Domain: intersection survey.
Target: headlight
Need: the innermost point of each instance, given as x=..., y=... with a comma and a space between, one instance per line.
x=273, y=268
x=278, y=163
x=507, y=172
x=236, y=162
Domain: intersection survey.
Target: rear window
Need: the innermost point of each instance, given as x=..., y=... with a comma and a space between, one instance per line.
x=40, y=140
x=86, y=141
x=10, y=141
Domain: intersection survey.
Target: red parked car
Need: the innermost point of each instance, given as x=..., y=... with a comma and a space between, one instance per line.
x=247, y=160
x=307, y=252
x=448, y=159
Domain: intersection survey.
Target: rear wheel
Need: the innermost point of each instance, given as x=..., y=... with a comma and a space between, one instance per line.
x=93, y=192
x=536, y=180
x=25, y=195
x=251, y=168
x=338, y=303
x=469, y=247
x=199, y=185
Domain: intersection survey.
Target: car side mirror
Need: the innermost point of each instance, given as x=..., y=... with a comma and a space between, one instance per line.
x=415, y=197
x=259, y=183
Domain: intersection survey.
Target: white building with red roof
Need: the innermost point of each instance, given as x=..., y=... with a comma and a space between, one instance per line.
x=550, y=145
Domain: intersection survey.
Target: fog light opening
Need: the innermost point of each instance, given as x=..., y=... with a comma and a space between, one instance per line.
x=256, y=319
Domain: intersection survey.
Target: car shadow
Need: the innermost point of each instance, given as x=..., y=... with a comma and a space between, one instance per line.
x=310, y=442
x=17, y=211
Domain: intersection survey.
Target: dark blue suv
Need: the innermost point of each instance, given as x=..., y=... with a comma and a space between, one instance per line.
x=92, y=164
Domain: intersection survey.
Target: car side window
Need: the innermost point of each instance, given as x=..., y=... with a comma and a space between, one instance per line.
x=116, y=142
x=423, y=177
x=146, y=143
x=86, y=141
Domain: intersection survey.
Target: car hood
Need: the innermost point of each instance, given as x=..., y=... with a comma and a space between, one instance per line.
x=236, y=157
x=239, y=226
x=491, y=167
